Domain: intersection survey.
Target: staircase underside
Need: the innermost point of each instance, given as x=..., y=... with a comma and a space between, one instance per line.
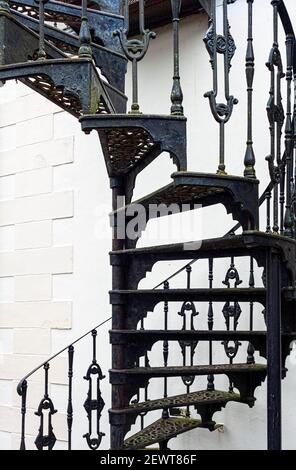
x=131, y=141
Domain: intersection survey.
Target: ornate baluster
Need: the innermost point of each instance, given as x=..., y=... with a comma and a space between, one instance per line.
x=84, y=33
x=23, y=390
x=210, y=377
x=70, y=404
x=177, y=94
x=41, y=51
x=146, y=362
x=268, y=211
x=165, y=350
x=250, y=70
x=96, y=404
x=231, y=312
x=45, y=440
x=185, y=345
x=220, y=44
x=134, y=49
x=251, y=350
x=276, y=118
x=289, y=138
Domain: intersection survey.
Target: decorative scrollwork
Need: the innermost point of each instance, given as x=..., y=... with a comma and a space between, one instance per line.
x=232, y=274
x=222, y=44
x=94, y=405
x=225, y=45
x=232, y=311
x=45, y=408
x=188, y=308
x=134, y=49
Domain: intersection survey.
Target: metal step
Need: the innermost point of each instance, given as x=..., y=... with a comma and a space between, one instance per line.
x=131, y=142
x=102, y=24
x=160, y=431
x=183, y=371
x=251, y=243
x=245, y=377
x=139, y=302
x=203, y=397
x=112, y=64
x=71, y=83
x=138, y=342
x=190, y=191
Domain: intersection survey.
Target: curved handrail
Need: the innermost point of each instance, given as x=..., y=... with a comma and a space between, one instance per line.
x=285, y=19
x=24, y=379
x=288, y=27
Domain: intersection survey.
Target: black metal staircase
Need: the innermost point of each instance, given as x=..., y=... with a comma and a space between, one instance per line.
x=62, y=66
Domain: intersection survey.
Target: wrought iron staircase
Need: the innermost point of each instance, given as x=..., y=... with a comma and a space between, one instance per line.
x=62, y=66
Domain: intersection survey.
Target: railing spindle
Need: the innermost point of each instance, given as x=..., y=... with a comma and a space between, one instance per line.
x=70, y=403
x=225, y=45
x=177, y=94
x=251, y=349
x=249, y=171
x=210, y=378
x=134, y=49
x=41, y=51
x=288, y=222
x=24, y=389
x=84, y=33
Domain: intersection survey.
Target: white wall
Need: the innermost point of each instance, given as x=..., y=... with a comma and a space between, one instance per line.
x=54, y=235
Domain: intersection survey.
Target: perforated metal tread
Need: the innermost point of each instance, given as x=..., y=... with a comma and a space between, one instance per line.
x=162, y=430
x=202, y=397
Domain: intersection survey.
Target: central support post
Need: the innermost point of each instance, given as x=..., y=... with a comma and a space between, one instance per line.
x=274, y=351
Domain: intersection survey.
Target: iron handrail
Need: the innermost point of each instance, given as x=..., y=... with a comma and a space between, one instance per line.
x=24, y=379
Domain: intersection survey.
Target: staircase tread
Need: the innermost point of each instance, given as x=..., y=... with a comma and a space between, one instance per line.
x=151, y=297
x=171, y=292
x=196, y=370
x=189, y=187
x=24, y=71
x=245, y=241
x=193, y=398
x=162, y=430
x=196, y=333
x=132, y=141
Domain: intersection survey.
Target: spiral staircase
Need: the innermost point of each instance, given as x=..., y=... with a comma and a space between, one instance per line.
x=77, y=57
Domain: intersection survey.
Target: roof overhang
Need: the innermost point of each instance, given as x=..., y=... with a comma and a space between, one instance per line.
x=158, y=12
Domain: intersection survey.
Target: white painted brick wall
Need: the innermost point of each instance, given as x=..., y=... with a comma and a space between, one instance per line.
x=36, y=315
x=39, y=155
x=32, y=182
x=36, y=287
x=33, y=235
x=36, y=211
x=32, y=341
x=33, y=208
x=34, y=130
